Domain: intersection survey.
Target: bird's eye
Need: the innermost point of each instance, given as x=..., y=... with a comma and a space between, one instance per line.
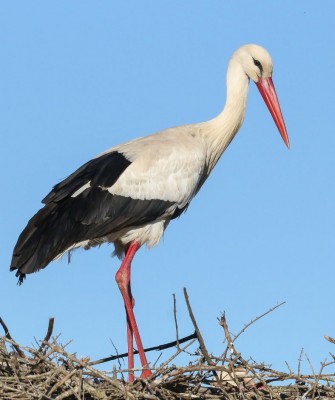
x=258, y=64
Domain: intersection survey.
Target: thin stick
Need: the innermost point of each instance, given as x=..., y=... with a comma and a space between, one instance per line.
x=117, y=354
x=257, y=318
x=199, y=336
x=300, y=360
x=230, y=340
x=310, y=364
x=175, y=319
x=231, y=347
x=8, y=336
x=159, y=347
x=179, y=350
x=330, y=339
x=48, y=334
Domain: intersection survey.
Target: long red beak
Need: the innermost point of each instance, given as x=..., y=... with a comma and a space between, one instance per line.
x=268, y=92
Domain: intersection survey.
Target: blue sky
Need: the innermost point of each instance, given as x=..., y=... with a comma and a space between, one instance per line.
x=80, y=77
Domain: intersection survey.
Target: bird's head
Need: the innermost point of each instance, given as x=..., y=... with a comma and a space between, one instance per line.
x=255, y=61
x=257, y=64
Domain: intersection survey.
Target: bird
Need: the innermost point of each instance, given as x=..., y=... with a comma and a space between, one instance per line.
x=130, y=193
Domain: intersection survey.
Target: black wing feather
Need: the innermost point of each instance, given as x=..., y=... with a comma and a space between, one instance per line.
x=101, y=171
x=93, y=214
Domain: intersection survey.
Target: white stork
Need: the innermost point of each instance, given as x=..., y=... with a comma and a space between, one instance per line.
x=128, y=194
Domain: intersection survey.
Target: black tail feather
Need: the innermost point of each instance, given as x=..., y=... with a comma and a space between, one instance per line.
x=21, y=277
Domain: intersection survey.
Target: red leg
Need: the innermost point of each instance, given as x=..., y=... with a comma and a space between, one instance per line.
x=123, y=280
x=130, y=334
x=130, y=343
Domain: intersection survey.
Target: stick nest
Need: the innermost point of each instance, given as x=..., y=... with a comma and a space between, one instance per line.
x=50, y=372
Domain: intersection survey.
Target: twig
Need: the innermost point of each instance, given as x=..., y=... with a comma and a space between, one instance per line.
x=230, y=340
x=8, y=336
x=157, y=359
x=288, y=367
x=159, y=347
x=330, y=339
x=244, y=363
x=62, y=381
x=200, y=338
x=316, y=381
x=117, y=353
x=256, y=319
x=197, y=331
x=310, y=364
x=48, y=334
x=81, y=384
x=175, y=319
x=179, y=350
x=300, y=360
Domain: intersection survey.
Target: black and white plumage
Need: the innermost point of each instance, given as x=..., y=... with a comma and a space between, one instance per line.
x=84, y=211
x=129, y=194
x=112, y=198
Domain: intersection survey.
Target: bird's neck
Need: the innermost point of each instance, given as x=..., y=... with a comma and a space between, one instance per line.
x=222, y=129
